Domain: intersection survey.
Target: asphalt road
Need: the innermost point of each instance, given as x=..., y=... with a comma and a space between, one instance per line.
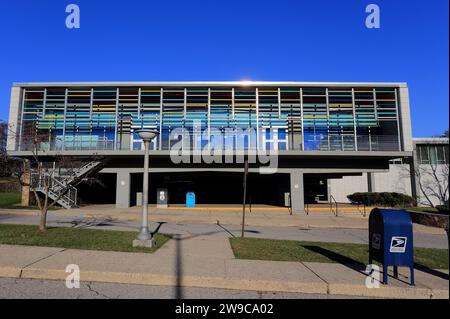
x=358, y=236
x=46, y=289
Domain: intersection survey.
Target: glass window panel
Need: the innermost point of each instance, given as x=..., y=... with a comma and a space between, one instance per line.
x=446, y=152
x=433, y=154
x=440, y=154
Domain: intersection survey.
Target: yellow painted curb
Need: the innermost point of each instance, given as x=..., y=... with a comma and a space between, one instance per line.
x=240, y=284
x=10, y=272
x=382, y=292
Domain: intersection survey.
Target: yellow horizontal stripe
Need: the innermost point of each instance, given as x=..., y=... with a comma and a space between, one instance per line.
x=201, y=208
x=54, y=117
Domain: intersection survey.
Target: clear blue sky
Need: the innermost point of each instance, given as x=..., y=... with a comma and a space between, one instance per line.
x=298, y=40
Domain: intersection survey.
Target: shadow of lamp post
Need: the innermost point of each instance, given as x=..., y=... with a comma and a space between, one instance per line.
x=145, y=238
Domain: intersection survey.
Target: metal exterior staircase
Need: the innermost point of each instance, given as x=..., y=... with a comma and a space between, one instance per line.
x=62, y=187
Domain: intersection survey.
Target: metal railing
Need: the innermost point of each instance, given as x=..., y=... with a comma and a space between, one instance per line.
x=229, y=141
x=333, y=205
x=72, y=145
x=363, y=210
x=58, y=190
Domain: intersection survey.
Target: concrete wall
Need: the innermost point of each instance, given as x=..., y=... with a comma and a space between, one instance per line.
x=395, y=180
x=13, y=122
x=347, y=185
x=405, y=119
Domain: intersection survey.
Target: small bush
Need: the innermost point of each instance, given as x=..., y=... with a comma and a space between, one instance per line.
x=442, y=209
x=384, y=199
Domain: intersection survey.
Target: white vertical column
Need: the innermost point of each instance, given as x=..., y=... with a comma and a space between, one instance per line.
x=398, y=121
x=328, y=117
x=116, y=119
x=405, y=117
x=302, y=120
x=44, y=103
x=161, y=99
x=139, y=102
x=21, y=120
x=91, y=106
x=232, y=102
x=279, y=103
x=354, y=120
x=185, y=105
x=65, y=119
x=209, y=118
x=257, y=118
x=15, y=119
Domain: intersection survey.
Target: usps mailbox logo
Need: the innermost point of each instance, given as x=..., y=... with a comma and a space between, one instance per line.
x=376, y=241
x=398, y=244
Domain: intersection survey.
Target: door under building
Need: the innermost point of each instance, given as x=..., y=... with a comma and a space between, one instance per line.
x=214, y=187
x=316, y=188
x=100, y=189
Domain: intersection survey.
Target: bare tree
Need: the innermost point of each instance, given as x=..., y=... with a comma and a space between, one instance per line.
x=3, y=155
x=433, y=183
x=42, y=176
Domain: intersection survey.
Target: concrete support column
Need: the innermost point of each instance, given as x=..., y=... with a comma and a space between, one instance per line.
x=297, y=192
x=26, y=180
x=370, y=182
x=123, y=189
x=414, y=180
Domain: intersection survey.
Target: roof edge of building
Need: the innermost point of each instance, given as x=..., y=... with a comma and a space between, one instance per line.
x=212, y=83
x=431, y=140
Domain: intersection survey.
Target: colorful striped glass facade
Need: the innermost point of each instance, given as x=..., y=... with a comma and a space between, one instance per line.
x=309, y=118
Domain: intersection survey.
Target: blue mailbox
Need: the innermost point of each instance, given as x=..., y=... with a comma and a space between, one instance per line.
x=190, y=200
x=391, y=240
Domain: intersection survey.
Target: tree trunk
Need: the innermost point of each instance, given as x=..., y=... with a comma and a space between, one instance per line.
x=447, y=230
x=43, y=220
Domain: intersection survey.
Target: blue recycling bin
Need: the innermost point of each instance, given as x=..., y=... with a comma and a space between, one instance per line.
x=190, y=200
x=391, y=240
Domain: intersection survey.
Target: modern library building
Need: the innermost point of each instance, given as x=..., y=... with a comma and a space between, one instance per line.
x=313, y=136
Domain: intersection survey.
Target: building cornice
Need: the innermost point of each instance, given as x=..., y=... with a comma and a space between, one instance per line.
x=210, y=84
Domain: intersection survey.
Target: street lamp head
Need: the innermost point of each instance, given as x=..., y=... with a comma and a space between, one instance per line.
x=146, y=134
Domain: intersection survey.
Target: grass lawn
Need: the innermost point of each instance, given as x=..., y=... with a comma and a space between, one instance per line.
x=287, y=250
x=9, y=199
x=423, y=209
x=13, y=200
x=76, y=238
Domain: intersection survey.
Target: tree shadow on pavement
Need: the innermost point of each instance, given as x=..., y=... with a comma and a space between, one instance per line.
x=431, y=271
x=338, y=258
x=154, y=232
x=361, y=267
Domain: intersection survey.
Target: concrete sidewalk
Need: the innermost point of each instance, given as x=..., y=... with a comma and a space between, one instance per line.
x=260, y=216
x=207, y=261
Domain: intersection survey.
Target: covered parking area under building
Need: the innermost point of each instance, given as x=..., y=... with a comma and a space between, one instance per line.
x=302, y=174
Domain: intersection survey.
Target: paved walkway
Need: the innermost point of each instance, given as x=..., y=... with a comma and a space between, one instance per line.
x=227, y=215
x=337, y=235
x=207, y=261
